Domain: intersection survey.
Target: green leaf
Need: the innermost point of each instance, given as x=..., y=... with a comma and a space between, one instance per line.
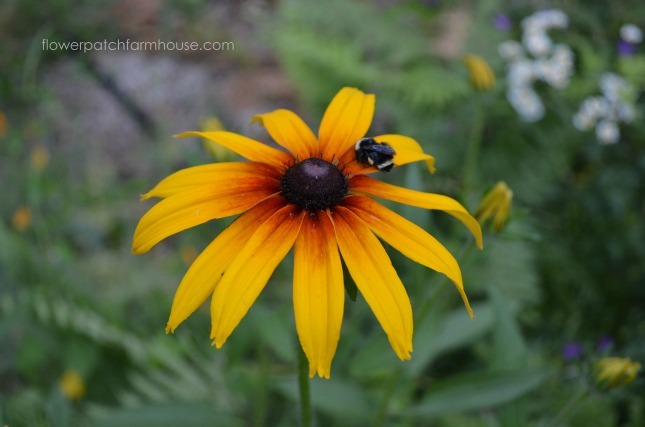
x=633, y=68
x=477, y=391
x=350, y=287
x=58, y=409
x=510, y=267
x=341, y=399
x=275, y=329
x=336, y=397
x=509, y=347
x=376, y=359
x=428, y=85
x=436, y=335
x=170, y=415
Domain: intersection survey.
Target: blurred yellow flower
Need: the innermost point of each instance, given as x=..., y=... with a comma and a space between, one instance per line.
x=481, y=76
x=616, y=371
x=72, y=385
x=317, y=198
x=3, y=124
x=21, y=218
x=219, y=153
x=496, y=203
x=39, y=158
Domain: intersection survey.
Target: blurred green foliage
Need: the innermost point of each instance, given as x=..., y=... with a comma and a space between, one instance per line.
x=567, y=268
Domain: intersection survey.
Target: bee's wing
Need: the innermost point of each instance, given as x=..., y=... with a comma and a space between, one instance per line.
x=382, y=149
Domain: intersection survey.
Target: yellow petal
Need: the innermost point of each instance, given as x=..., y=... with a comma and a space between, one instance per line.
x=371, y=269
x=616, y=371
x=214, y=173
x=484, y=211
x=245, y=278
x=207, y=269
x=409, y=239
x=496, y=203
x=501, y=216
x=318, y=292
x=481, y=75
x=246, y=147
x=365, y=185
x=347, y=119
x=288, y=130
x=198, y=205
x=407, y=150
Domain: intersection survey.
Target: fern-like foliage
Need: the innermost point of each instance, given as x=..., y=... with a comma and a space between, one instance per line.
x=377, y=49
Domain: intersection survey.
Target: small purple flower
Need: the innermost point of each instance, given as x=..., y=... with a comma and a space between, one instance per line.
x=502, y=22
x=605, y=343
x=624, y=48
x=571, y=351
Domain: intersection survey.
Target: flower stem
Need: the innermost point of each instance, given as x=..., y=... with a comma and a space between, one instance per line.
x=382, y=414
x=303, y=386
x=570, y=407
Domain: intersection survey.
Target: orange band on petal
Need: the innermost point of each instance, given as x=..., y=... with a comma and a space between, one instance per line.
x=197, y=206
x=213, y=173
x=249, y=272
x=318, y=292
x=378, y=282
x=207, y=270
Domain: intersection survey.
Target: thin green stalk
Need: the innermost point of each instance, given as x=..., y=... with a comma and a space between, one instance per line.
x=442, y=285
x=303, y=386
x=261, y=398
x=389, y=392
x=570, y=407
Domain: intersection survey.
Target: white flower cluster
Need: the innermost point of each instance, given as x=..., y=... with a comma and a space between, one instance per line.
x=631, y=34
x=551, y=63
x=606, y=111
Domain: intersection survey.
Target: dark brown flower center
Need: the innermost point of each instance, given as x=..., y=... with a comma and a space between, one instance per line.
x=314, y=184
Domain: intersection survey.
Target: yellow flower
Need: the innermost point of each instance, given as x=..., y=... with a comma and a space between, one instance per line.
x=616, y=371
x=3, y=124
x=479, y=72
x=316, y=198
x=72, y=385
x=39, y=158
x=21, y=219
x=496, y=203
x=219, y=153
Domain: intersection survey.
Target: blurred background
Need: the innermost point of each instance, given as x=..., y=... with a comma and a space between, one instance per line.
x=559, y=286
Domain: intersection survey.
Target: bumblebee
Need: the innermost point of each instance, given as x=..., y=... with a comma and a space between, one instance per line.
x=377, y=154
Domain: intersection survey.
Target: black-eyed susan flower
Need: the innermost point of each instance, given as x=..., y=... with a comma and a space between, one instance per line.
x=481, y=76
x=316, y=198
x=496, y=204
x=616, y=371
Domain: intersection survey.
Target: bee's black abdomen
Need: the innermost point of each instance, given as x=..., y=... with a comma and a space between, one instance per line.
x=372, y=153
